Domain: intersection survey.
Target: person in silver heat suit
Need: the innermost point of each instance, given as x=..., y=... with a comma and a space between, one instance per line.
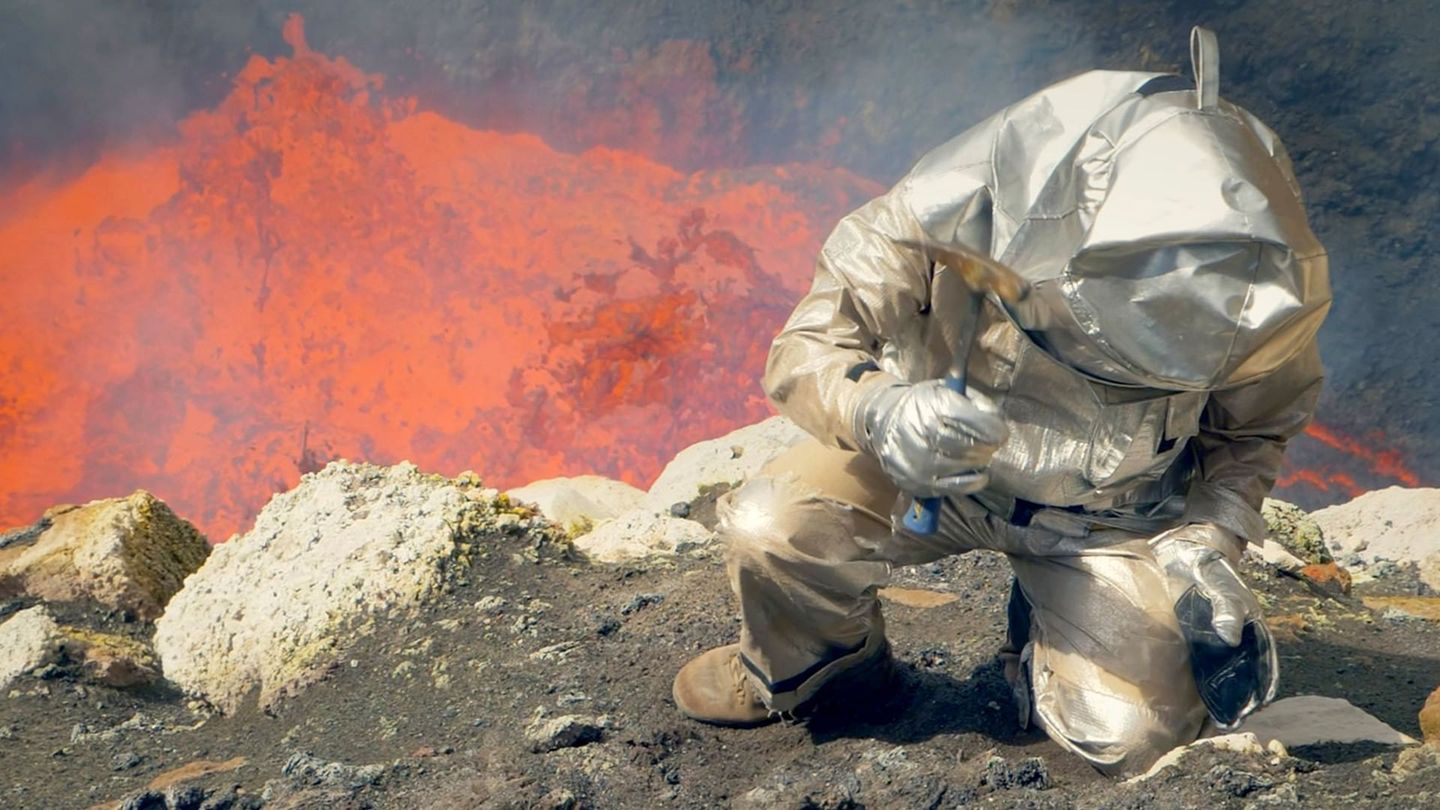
x=1120, y=428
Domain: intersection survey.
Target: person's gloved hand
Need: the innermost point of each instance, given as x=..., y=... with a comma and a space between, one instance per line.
x=929, y=440
x=1199, y=555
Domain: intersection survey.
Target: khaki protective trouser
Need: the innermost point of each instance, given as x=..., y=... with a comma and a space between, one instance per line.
x=810, y=542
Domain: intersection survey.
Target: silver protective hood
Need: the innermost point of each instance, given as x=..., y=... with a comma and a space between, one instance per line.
x=1161, y=228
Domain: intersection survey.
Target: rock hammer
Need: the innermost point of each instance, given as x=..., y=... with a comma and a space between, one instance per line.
x=982, y=275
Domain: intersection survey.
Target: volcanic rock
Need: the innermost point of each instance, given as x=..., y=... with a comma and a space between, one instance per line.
x=1313, y=719
x=580, y=502
x=641, y=534
x=306, y=768
x=730, y=459
x=640, y=602
x=1429, y=571
x=566, y=731
x=1029, y=772
x=1416, y=760
x=125, y=553
x=654, y=527
x=28, y=641
x=1329, y=576
x=1396, y=523
x=1276, y=555
x=1240, y=742
x=309, y=781
x=146, y=800
x=272, y=608
x=1291, y=528
x=125, y=760
x=111, y=659
x=1430, y=719
x=1237, y=782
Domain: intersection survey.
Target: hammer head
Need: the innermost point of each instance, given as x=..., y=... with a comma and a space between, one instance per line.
x=981, y=273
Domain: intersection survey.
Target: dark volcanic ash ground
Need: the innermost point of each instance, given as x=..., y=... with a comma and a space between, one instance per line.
x=1351, y=87
x=540, y=681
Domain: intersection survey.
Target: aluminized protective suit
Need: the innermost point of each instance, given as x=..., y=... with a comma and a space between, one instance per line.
x=1075, y=440
x=1150, y=381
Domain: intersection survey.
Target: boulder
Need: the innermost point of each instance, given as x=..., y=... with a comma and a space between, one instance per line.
x=729, y=459
x=1292, y=529
x=28, y=641
x=125, y=553
x=1396, y=523
x=578, y=503
x=650, y=527
x=32, y=639
x=273, y=608
x=641, y=534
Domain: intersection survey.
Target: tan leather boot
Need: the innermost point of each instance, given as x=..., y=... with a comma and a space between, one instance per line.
x=713, y=688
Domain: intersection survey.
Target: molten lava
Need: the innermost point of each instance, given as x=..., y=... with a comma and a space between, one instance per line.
x=313, y=270
x=1331, y=462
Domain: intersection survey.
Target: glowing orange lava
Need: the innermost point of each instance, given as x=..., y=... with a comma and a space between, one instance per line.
x=314, y=270
x=1381, y=461
x=1322, y=481
x=1379, y=464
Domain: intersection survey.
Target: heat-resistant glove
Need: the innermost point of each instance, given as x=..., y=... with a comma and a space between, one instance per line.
x=1198, y=555
x=1232, y=655
x=929, y=440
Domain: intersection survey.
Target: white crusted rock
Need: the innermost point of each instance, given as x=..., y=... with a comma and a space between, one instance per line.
x=1239, y=742
x=1430, y=570
x=1312, y=719
x=1395, y=523
x=1277, y=555
x=28, y=640
x=272, y=608
x=730, y=459
x=126, y=553
x=579, y=503
x=641, y=534
x=1291, y=722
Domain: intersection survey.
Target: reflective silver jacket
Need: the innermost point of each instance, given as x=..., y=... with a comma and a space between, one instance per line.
x=1084, y=430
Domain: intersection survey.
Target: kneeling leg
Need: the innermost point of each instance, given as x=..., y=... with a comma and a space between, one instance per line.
x=1109, y=669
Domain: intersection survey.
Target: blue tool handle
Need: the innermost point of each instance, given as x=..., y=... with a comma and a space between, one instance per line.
x=923, y=516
